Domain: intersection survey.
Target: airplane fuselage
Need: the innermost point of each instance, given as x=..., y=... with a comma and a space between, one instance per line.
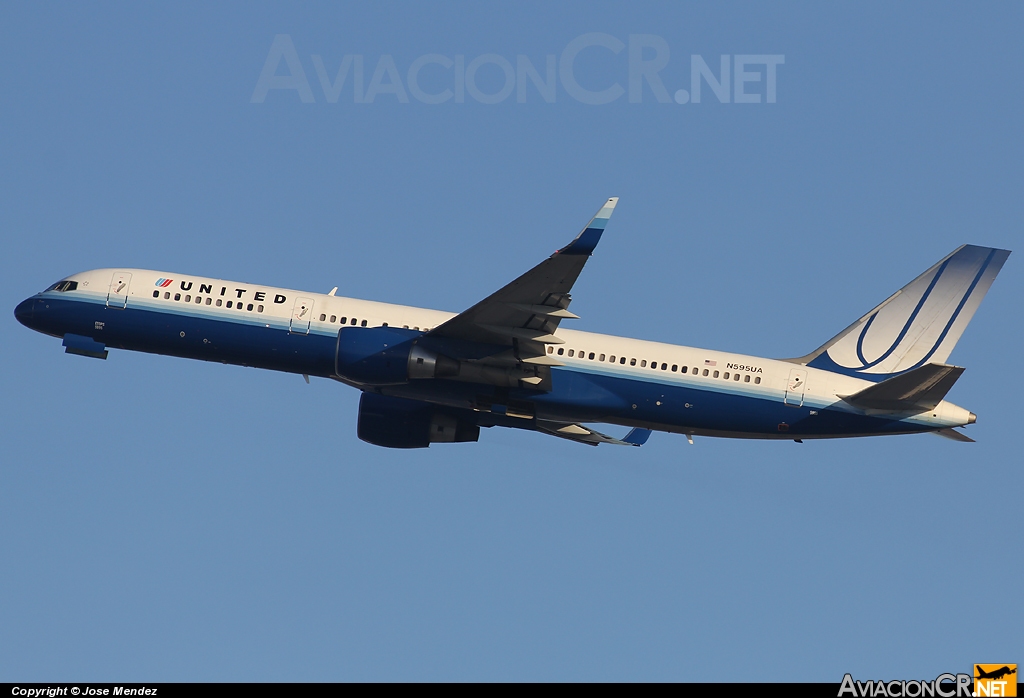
x=602, y=378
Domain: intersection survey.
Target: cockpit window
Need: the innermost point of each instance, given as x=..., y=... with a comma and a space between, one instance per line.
x=62, y=286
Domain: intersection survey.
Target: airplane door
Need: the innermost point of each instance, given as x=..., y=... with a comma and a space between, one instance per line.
x=302, y=313
x=795, y=387
x=117, y=295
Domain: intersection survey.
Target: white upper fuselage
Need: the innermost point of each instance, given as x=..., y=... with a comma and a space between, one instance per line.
x=718, y=371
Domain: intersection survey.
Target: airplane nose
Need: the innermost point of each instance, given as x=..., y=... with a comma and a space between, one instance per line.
x=972, y=418
x=23, y=313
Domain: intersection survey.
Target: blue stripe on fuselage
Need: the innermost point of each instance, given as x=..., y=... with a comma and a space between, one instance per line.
x=579, y=394
x=247, y=340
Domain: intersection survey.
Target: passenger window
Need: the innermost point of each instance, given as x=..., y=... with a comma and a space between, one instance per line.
x=561, y=350
x=177, y=296
x=684, y=369
x=156, y=294
x=591, y=357
x=746, y=379
x=571, y=352
x=601, y=358
x=715, y=375
x=323, y=317
x=249, y=307
x=674, y=367
x=188, y=299
x=632, y=362
x=726, y=376
x=334, y=318
x=229, y=304
x=735, y=376
x=363, y=323
x=353, y=322
x=643, y=363
x=757, y=380
x=238, y=305
x=259, y=308
x=166, y=295
x=218, y=302
x=665, y=367
x=705, y=371
x=612, y=358
x=199, y=301
x=345, y=319
x=384, y=325
x=622, y=359
x=695, y=371
x=403, y=326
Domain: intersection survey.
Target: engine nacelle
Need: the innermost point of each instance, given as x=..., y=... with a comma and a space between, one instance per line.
x=374, y=355
x=395, y=422
x=391, y=356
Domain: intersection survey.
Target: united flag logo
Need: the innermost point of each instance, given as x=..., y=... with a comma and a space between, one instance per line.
x=709, y=362
x=163, y=283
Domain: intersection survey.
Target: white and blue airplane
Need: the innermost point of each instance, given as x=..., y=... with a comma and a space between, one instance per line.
x=429, y=376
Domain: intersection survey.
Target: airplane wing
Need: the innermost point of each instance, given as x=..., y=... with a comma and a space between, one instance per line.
x=524, y=314
x=591, y=437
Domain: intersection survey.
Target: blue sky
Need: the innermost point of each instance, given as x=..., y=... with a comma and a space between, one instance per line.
x=162, y=519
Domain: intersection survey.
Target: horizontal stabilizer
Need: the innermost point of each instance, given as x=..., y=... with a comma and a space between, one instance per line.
x=954, y=435
x=918, y=390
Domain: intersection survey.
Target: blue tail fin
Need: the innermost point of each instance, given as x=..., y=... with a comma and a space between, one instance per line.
x=917, y=325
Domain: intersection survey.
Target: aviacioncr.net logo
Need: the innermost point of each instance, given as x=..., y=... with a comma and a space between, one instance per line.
x=490, y=78
x=943, y=686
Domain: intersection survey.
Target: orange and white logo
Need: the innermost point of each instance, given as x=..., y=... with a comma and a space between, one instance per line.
x=995, y=680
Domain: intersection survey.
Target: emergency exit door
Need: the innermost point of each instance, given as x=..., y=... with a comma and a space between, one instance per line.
x=117, y=295
x=795, y=387
x=302, y=313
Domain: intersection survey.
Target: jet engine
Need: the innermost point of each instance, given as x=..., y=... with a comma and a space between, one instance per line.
x=379, y=356
x=399, y=423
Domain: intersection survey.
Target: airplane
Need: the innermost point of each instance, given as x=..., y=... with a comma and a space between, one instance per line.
x=429, y=376
x=995, y=674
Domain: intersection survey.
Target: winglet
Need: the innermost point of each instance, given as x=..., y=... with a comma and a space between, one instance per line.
x=637, y=437
x=587, y=240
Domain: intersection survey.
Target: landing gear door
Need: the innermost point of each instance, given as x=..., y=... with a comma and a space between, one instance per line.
x=795, y=387
x=302, y=313
x=117, y=296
